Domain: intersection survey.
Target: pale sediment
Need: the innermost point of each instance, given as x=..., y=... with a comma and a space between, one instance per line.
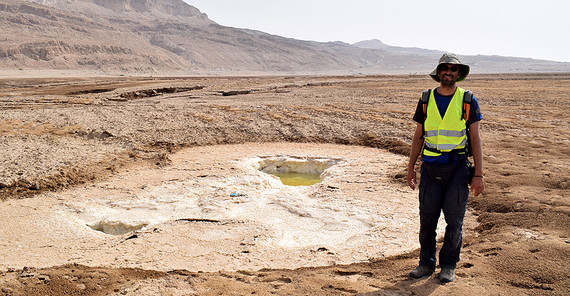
x=212, y=209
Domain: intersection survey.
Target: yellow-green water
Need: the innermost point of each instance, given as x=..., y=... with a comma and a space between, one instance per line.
x=298, y=179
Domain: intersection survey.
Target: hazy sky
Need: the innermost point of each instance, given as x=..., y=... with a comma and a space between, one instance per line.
x=523, y=28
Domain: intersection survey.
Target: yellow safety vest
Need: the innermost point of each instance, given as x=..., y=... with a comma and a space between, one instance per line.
x=447, y=133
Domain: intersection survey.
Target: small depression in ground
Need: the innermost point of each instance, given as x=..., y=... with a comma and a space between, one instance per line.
x=296, y=171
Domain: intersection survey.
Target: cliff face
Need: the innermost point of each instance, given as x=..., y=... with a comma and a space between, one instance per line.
x=176, y=8
x=41, y=37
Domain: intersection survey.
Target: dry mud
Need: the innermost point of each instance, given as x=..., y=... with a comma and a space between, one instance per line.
x=150, y=186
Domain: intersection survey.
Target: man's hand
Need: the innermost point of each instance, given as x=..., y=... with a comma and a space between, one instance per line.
x=477, y=185
x=412, y=178
x=417, y=143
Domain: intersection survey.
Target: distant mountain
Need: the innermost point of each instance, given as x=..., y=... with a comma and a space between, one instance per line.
x=480, y=63
x=377, y=44
x=172, y=37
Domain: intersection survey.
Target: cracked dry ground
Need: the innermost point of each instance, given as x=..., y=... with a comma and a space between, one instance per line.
x=57, y=133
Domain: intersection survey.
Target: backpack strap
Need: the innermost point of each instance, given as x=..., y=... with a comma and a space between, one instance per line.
x=467, y=98
x=425, y=100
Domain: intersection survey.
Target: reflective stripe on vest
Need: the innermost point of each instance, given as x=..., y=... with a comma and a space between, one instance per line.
x=447, y=133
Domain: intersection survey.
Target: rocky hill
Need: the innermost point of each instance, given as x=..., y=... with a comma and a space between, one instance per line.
x=172, y=37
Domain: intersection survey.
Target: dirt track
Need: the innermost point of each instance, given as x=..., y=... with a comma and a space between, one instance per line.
x=61, y=133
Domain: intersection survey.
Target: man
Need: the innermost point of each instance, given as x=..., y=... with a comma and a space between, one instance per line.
x=444, y=136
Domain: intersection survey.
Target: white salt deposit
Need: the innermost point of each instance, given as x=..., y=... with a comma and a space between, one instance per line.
x=299, y=219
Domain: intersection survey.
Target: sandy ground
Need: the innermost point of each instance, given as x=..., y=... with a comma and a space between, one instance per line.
x=150, y=186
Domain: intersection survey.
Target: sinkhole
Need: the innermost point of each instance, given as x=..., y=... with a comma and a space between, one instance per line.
x=296, y=171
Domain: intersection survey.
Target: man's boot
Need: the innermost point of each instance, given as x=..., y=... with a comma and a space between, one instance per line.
x=447, y=275
x=421, y=271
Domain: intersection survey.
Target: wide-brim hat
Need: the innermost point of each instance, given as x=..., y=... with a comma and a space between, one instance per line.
x=450, y=58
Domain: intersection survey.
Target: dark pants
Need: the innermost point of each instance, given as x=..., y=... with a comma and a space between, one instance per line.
x=451, y=197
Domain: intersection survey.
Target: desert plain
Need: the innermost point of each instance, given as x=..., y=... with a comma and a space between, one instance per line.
x=151, y=186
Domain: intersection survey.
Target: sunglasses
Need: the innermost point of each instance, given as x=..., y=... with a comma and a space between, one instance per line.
x=444, y=68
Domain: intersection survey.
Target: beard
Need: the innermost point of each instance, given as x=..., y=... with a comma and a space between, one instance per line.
x=447, y=80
